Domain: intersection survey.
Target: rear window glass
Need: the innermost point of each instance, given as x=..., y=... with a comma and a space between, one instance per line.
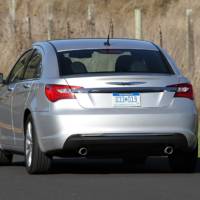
x=112, y=61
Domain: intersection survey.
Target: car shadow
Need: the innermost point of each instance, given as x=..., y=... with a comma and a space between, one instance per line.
x=106, y=166
x=85, y=166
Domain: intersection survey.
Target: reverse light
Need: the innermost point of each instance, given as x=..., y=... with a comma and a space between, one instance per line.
x=57, y=92
x=183, y=90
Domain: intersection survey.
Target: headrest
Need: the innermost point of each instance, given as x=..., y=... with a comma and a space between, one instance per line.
x=123, y=63
x=78, y=68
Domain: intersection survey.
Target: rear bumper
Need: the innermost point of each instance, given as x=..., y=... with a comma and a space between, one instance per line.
x=54, y=129
x=135, y=145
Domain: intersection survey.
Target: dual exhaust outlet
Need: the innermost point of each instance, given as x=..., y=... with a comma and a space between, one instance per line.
x=83, y=151
x=168, y=150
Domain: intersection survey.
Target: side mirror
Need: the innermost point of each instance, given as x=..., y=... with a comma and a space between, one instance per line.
x=1, y=78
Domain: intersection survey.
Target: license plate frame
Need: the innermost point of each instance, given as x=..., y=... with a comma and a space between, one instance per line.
x=126, y=99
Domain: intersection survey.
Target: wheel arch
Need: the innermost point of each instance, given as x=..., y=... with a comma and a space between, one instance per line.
x=28, y=112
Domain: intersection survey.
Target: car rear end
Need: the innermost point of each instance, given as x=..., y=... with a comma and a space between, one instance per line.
x=114, y=101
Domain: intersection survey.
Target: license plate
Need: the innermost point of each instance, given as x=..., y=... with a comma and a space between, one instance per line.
x=126, y=99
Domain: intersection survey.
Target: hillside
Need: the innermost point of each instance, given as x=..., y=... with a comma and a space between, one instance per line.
x=70, y=18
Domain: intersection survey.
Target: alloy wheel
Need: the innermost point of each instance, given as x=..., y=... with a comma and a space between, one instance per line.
x=29, y=144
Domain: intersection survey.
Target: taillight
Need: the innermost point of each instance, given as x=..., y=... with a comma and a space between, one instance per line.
x=183, y=90
x=56, y=92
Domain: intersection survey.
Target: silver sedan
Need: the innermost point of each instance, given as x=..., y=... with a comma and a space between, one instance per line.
x=96, y=98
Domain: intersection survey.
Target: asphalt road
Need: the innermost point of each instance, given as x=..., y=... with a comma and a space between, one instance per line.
x=99, y=179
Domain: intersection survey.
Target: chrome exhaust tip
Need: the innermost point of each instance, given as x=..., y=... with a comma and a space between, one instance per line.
x=169, y=150
x=83, y=151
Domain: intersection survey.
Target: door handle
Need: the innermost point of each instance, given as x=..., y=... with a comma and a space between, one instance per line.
x=10, y=88
x=27, y=85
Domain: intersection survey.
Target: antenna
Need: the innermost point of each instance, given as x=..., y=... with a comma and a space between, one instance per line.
x=107, y=43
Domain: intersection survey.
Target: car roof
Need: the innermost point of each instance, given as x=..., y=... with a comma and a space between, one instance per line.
x=74, y=44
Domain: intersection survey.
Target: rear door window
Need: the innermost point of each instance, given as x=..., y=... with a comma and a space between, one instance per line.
x=33, y=69
x=18, y=70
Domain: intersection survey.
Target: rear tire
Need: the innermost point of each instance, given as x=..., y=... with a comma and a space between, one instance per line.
x=184, y=161
x=36, y=161
x=5, y=158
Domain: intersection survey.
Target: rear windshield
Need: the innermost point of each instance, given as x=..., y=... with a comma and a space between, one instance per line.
x=112, y=61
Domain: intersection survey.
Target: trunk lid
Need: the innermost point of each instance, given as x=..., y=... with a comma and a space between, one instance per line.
x=102, y=91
